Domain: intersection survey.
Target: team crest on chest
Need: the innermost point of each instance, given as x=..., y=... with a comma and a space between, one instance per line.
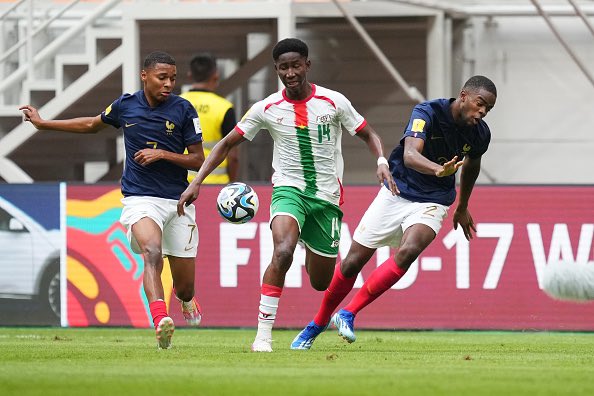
x=324, y=119
x=169, y=127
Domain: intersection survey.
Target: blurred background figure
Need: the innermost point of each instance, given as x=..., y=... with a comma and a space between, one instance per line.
x=217, y=116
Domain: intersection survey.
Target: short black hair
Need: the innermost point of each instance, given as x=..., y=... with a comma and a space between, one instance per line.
x=475, y=83
x=157, y=57
x=289, y=45
x=203, y=66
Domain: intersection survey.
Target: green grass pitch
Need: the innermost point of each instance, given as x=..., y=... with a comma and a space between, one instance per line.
x=120, y=361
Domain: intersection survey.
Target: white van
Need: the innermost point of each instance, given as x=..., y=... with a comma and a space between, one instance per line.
x=29, y=259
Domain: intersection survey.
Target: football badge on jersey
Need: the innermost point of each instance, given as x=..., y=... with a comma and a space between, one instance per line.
x=418, y=125
x=197, y=126
x=170, y=126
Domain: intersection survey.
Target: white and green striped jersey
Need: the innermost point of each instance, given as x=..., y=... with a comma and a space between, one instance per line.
x=307, y=139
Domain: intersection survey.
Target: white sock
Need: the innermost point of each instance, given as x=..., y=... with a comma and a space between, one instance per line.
x=266, y=316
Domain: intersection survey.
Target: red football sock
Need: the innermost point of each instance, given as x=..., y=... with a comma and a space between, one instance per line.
x=381, y=279
x=158, y=311
x=269, y=298
x=271, y=290
x=339, y=287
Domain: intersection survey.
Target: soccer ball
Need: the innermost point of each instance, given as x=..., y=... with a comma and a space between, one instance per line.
x=569, y=281
x=237, y=203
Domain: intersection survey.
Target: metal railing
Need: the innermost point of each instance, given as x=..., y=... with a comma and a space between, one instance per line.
x=54, y=46
x=37, y=30
x=71, y=26
x=562, y=41
x=10, y=9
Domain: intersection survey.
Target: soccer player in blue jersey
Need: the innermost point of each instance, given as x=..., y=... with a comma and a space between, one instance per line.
x=442, y=136
x=158, y=126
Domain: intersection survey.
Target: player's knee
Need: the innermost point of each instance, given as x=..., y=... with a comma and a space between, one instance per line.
x=406, y=255
x=282, y=258
x=152, y=254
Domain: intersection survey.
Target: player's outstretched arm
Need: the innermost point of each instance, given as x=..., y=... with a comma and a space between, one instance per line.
x=374, y=143
x=413, y=147
x=233, y=164
x=216, y=156
x=74, y=125
x=470, y=172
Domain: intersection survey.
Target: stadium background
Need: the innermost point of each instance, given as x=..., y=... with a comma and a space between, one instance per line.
x=533, y=205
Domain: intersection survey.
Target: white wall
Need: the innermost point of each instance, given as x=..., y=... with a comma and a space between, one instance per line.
x=543, y=123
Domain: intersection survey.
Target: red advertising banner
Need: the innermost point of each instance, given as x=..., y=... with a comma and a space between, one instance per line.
x=492, y=282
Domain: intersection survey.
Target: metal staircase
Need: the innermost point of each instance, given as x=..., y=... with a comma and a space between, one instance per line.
x=61, y=54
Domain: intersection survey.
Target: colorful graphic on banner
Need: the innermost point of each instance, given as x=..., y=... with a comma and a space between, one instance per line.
x=30, y=243
x=104, y=275
x=492, y=282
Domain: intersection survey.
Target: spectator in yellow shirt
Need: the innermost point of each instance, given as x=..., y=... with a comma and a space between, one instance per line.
x=217, y=116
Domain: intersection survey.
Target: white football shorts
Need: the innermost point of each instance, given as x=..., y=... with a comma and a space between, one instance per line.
x=180, y=233
x=388, y=216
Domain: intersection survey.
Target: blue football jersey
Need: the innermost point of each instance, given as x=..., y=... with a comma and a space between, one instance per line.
x=433, y=122
x=172, y=126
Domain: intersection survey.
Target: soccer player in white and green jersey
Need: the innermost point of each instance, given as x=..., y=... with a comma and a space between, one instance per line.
x=305, y=122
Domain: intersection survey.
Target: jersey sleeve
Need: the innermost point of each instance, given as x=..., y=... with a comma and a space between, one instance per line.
x=418, y=125
x=191, y=129
x=111, y=115
x=229, y=122
x=350, y=119
x=252, y=122
x=481, y=149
